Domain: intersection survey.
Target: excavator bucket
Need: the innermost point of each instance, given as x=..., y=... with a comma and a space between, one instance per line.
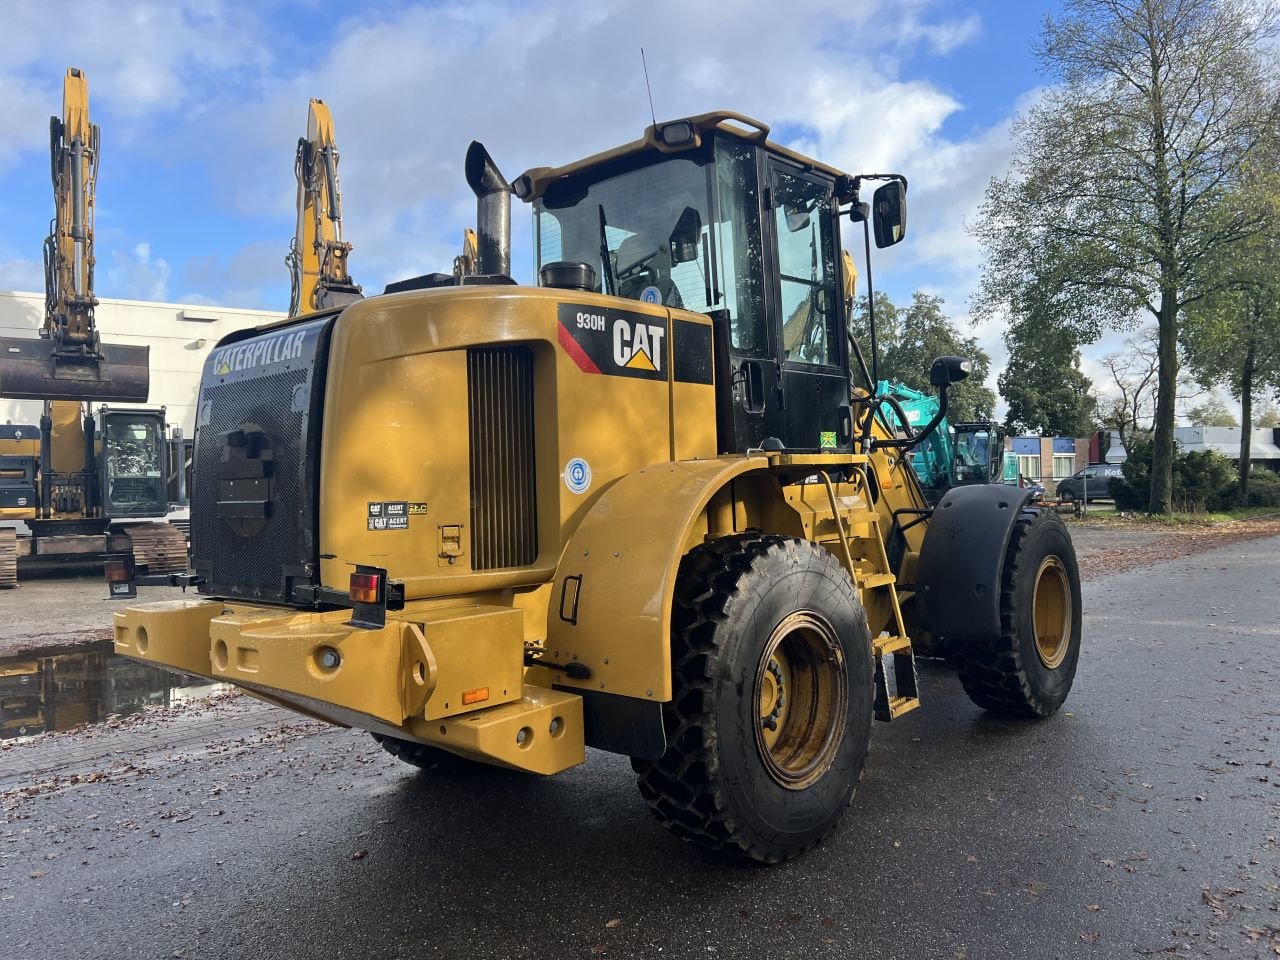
x=32, y=370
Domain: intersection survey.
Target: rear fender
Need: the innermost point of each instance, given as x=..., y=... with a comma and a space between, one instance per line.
x=611, y=598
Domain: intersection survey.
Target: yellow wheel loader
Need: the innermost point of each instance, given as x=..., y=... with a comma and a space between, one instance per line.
x=651, y=505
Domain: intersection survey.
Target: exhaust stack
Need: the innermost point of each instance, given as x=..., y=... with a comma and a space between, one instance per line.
x=493, y=211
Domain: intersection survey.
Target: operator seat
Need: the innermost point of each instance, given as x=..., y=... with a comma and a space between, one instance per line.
x=654, y=272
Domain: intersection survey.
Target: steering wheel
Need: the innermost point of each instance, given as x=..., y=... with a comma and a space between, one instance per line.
x=634, y=268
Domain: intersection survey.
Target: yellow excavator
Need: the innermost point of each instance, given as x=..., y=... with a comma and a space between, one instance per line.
x=82, y=469
x=651, y=505
x=317, y=257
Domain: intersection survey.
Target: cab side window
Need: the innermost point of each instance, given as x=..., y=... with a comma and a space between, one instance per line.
x=738, y=247
x=807, y=270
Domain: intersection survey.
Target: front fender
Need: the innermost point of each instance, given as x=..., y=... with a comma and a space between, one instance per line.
x=962, y=558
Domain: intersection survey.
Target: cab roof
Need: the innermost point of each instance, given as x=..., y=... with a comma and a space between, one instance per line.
x=669, y=137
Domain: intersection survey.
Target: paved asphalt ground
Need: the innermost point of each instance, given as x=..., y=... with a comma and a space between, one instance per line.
x=1143, y=820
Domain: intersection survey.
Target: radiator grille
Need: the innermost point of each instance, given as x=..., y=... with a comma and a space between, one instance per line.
x=504, y=517
x=250, y=566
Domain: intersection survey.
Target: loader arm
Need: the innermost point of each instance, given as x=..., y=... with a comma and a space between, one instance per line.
x=318, y=255
x=69, y=362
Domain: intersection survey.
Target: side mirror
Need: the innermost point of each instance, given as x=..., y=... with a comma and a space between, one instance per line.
x=948, y=370
x=684, y=237
x=797, y=218
x=889, y=213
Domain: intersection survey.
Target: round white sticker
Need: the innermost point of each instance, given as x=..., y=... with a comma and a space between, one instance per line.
x=577, y=475
x=651, y=295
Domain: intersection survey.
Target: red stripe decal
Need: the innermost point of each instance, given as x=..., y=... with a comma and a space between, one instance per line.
x=575, y=351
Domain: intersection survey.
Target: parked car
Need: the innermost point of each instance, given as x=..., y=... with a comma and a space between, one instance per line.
x=1095, y=479
x=1035, y=486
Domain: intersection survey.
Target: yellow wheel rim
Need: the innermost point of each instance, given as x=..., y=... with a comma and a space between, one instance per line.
x=801, y=700
x=1051, y=612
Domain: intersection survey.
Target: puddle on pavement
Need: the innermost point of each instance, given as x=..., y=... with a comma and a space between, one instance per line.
x=41, y=691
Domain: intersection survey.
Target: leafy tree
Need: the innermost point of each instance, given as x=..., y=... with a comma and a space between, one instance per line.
x=910, y=338
x=1212, y=413
x=1123, y=182
x=1266, y=414
x=1047, y=392
x=886, y=326
x=1232, y=336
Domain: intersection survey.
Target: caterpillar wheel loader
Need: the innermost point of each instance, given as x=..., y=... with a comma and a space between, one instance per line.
x=73, y=478
x=651, y=505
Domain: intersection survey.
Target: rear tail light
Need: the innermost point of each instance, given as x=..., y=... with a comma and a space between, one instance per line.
x=365, y=588
x=116, y=571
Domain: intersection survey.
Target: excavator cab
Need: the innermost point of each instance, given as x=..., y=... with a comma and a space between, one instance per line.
x=734, y=227
x=132, y=466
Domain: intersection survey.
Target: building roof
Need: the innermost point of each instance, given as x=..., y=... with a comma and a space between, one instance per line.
x=1226, y=441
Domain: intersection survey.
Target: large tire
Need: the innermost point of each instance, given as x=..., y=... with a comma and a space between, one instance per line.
x=1028, y=668
x=759, y=621
x=1066, y=496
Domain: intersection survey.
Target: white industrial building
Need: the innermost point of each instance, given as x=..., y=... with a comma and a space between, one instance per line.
x=1263, y=450
x=180, y=336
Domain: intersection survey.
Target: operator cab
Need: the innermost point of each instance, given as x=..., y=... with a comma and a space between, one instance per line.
x=707, y=215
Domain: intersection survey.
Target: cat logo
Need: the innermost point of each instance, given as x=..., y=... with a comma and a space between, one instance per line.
x=638, y=346
x=256, y=353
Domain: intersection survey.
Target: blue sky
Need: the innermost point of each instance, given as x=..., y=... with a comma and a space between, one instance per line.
x=201, y=104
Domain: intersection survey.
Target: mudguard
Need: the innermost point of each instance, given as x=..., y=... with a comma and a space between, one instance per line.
x=611, y=599
x=961, y=560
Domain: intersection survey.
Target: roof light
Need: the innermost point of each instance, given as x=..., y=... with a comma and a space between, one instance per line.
x=678, y=134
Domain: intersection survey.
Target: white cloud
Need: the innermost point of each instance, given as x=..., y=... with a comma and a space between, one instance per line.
x=200, y=84
x=138, y=276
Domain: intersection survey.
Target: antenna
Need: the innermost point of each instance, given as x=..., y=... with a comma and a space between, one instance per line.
x=647, y=88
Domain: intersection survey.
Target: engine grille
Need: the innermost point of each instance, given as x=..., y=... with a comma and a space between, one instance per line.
x=504, y=513
x=235, y=564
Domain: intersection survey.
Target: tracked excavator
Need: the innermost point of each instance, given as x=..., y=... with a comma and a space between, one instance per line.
x=652, y=505
x=317, y=257
x=83, y=469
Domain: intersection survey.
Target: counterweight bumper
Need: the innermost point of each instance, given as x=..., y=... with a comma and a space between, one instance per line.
x=449, y=676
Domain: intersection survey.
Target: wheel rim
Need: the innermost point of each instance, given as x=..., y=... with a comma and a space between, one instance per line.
x=801, y=700
x=1051, y=612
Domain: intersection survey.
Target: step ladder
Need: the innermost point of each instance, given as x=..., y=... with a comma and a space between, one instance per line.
x=896, y=649
x=905, y=695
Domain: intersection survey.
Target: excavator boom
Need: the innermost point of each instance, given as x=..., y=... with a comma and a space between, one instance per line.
x=69, y=362
x=318, y=256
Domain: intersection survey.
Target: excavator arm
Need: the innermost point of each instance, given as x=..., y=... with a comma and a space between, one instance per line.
x=318, y=255
x=69, y=361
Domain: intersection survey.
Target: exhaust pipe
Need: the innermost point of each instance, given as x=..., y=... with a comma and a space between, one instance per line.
x=493, y=211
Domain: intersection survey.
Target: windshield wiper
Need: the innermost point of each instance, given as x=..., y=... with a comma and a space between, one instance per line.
x=610, y=282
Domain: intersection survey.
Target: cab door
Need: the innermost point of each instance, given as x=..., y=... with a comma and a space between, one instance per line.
x=806, y=312
x=750, y=406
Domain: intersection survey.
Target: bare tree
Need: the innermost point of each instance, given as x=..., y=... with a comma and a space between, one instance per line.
x=1129, y=411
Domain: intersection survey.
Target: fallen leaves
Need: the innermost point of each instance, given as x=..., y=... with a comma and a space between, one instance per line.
x=359, y=854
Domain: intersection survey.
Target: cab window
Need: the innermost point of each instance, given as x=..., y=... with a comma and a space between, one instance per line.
x=738, y=247
x=806, y=266
x=644, y=231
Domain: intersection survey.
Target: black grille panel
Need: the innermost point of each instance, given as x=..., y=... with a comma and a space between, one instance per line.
x=239, y=565
x=258, y=415
x=504, y=515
